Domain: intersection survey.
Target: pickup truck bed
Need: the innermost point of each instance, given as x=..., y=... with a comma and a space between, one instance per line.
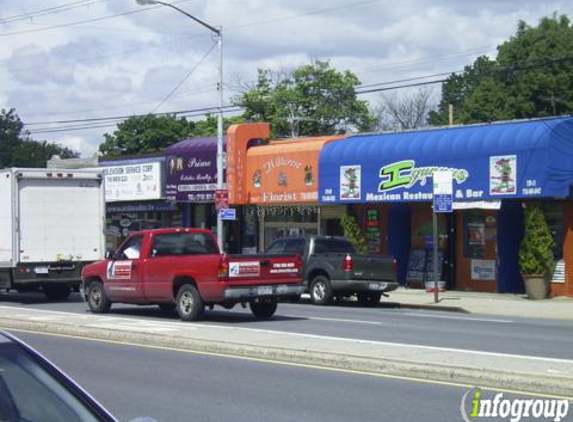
x=183, y=269
x=333, y=269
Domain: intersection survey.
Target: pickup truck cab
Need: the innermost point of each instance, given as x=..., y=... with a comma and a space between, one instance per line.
x=333, y=269
x=183, y=269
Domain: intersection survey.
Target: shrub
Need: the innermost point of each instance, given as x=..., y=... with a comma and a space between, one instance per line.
x=535, y=251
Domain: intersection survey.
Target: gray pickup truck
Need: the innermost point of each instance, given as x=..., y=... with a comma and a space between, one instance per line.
x=333, y=269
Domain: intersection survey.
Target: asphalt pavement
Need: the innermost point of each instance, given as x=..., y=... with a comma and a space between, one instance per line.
x=180, y=386
x=386, y=323
x=511, y=353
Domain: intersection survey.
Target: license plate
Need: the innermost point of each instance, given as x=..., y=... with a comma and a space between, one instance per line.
x=374, y=286
x=41, y=270
x=265, y=290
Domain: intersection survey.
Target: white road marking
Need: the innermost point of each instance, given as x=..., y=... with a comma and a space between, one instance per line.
x=108, y=323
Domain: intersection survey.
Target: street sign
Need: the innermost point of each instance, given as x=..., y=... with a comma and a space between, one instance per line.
x=443, y=203
x=443, y=191
x=228, y=214
x=221, y=199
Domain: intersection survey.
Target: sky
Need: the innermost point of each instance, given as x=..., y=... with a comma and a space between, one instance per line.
x=68, y=60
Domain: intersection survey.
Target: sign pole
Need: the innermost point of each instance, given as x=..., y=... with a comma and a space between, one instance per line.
x=435, y=251
x=442, y=203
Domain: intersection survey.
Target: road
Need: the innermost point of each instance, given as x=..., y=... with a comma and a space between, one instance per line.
x=523, y=336
x=179, y=386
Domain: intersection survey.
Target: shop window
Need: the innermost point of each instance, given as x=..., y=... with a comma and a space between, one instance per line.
x=474, y=234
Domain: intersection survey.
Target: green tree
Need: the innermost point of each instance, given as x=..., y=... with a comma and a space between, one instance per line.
x=531, y=76
x=208, y=126
x=152, y=133
x=313, y=100
x=18, y=150
x=148, y=133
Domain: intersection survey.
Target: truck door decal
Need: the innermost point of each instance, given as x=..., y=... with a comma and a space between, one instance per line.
x=119, y=270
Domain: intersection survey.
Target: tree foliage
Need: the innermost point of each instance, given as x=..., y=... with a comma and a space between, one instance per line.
x=18, y=150
x=151, y=133
x=312, y=100
x=407, y=111
x=531, y=76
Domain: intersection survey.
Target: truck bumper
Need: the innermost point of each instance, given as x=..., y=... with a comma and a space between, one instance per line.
x=276, y=291
x=359, y=286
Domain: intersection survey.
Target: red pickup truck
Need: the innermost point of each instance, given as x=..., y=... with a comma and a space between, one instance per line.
x=183, y=269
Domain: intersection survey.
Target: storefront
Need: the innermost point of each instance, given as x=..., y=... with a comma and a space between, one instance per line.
x=276, y=184
x=191, y=182
x=497, y=170
x=135, y=198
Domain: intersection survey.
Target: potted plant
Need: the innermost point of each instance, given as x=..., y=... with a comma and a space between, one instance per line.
x=536, y=259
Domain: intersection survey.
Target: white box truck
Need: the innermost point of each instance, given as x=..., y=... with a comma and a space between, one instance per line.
x=51, y=225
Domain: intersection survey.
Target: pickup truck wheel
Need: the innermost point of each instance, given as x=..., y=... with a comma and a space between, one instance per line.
x=57, y=292
x=370, y=299
x=263, y=310
x=189, y=304
x=98, y=301
x=320, y=290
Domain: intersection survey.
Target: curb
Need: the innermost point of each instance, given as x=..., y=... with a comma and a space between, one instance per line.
x=467, y=376
x=430, y=307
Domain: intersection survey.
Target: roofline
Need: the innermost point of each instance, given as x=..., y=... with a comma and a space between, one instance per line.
x=435, y=128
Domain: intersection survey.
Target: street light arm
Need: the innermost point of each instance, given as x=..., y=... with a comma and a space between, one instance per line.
x=199, y=21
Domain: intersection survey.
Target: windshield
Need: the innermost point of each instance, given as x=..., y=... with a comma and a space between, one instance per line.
x=333, y=246
x=28, y=393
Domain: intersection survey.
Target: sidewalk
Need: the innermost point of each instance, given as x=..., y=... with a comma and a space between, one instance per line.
x=505, y=304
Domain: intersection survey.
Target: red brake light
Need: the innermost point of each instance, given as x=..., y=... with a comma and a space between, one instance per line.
x=348, y=264
x=223, y=272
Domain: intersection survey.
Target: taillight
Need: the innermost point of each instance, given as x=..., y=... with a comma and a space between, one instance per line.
x=223, y=272
x=394, y=267
x=348, y=264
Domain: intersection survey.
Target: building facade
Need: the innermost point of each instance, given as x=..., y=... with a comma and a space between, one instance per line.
x=498, y=169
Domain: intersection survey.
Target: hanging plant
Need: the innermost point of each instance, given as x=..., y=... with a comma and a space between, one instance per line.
x=353, y=232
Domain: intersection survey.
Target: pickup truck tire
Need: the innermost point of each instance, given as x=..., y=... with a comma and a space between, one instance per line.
x=98, y=301
x=57, y=292
x=320, y=290
x=263, y=310
x=369, y=299
x=189, y=304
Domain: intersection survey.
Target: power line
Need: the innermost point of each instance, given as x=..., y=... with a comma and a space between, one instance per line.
x=49, y=11
x=184, y=79
x=75, y=23
x=123, y=117
x=226, y=110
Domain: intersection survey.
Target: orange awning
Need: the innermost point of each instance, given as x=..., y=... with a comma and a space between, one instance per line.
x=284, y=172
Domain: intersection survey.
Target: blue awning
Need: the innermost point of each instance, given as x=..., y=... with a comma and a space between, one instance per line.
x=519, y=159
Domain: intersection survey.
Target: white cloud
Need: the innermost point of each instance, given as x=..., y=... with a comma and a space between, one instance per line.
x=128, y=64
